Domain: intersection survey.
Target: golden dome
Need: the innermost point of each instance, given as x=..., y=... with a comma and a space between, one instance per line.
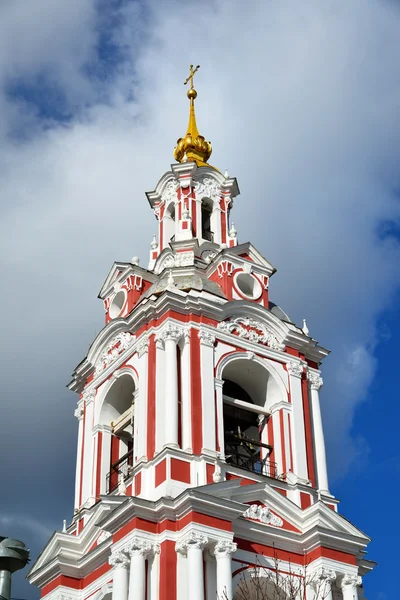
x=193, y=147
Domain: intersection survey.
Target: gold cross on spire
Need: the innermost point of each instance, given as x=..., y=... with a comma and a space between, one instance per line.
x=190, y=78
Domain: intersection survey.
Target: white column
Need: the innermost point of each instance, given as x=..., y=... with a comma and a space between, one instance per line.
x=295, y=371
x=120, y=562
x=349, y=585
x=218, y=383
x=319, y=443
x=170, y=335
x=193, y=545
x=138, y=551
x=140, y=417
x=79, y=415
x=223, y=553
x=87, y=476
x=322, y=581
x=207, y=341
x=186, y=419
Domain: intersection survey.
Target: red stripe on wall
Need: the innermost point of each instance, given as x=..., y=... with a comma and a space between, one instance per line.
x=167, y=570
x=307, y=427
x=195, y=389
x=151, y=400
x=290, y=443
x=270, y=431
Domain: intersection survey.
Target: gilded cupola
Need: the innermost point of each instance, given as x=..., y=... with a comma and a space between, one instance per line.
x=192, y=147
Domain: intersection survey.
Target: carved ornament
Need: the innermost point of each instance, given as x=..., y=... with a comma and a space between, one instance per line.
x=263, y=514
x=115, y=348
x=209, y=188
x=251, y=330
x=315, y=380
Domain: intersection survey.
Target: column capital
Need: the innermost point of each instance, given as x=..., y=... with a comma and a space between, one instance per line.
x=119, y=560
x=139, y=547
x=193, y=540
x=315, y=380
x=324, y=575
x=350, y=580
x=224, y=548
x=89, y=395
x=143, y=346
x=294, y=369
x=170, y=331
x=206, y=338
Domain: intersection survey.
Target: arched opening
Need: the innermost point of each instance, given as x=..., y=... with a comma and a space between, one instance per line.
x=117, y=412
x=248, y=391
x=206, y=210
x=169, y=222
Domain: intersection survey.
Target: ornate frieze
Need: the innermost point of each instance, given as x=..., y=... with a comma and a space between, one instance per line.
x=207, y=188
x=169, y=192
x=114, y=349
x=184, y=259
x=315, y=380
x=262, y=514
x=192, y=540
x=324, y=575
x=251, y=330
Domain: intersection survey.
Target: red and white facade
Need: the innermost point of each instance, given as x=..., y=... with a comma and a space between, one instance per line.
x=200, y=442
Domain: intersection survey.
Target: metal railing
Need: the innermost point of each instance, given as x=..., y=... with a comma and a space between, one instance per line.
x=245, y=453
x=121, y=468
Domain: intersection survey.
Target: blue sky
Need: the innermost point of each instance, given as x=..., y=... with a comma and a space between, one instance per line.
x=301, y=102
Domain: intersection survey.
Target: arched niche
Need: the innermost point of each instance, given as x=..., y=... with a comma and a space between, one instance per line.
x=250, y=388
x=116, y=419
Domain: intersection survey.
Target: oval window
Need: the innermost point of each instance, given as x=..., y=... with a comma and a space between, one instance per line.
x=248, y=285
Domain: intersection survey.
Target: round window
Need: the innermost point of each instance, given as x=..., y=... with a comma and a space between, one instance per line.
x=117, y=304
x=248, y=285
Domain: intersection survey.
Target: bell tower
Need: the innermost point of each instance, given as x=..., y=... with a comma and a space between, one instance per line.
x=200, y=458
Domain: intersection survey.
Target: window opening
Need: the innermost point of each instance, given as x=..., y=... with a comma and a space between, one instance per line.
x=206, y=232
x=243, y=427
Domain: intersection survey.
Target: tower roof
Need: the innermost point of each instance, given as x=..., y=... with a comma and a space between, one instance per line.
x=193, y=147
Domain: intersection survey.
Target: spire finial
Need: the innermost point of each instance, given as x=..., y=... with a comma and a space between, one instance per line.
x=193, y=147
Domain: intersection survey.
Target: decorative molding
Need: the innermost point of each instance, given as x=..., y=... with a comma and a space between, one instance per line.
x=169, y=192
x=224, y=548
x=315, y=380
x=209, y=188
x=143, y=346
x=192, y=540
x=184, y=259
x=206, y=338
x=351, y=580
x=294, y=369
x=114, y=349
x=251, y=330
x=104, y=535
x=263, y=514
x=119, y=560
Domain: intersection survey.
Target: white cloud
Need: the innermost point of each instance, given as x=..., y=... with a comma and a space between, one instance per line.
x=301, y=104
